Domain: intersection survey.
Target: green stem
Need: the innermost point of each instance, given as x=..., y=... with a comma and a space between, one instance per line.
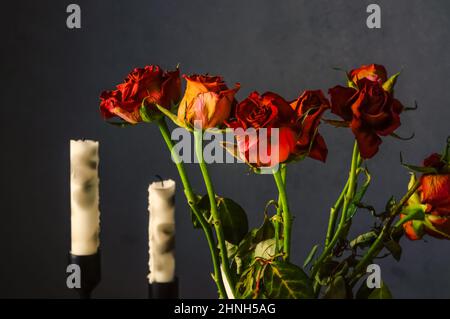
x=287, y=218
x=198, y=138
x=279, y=212
x=348, y=197
x=334, y=211
x=377, y=246
x=190, y=196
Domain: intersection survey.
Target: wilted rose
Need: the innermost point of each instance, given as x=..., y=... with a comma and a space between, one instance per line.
x=146, y=86
x=369, y=110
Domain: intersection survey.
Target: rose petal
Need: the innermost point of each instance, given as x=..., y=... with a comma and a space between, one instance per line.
x=368, y=141
x=340, y=97
x=319, y=150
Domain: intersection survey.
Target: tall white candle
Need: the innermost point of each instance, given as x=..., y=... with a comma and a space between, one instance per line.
x=161, y=231
x=84, y=198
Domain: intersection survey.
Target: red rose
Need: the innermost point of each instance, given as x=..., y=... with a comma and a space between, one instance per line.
x=297, y=123
x=207, y=99
x=267, y=110
x=309, y=108
x=370, y=111
x=372, y=72
x=150, y=83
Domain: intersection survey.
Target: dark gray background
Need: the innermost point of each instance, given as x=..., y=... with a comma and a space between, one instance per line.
x=51, y=78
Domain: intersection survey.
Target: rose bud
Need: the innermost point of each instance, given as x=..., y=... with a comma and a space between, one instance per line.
x=207, y=101
x=372, y=72
x=146, y=86
x=369, y=110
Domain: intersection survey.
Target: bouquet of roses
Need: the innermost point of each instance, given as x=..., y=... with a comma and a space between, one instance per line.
x=269, y=133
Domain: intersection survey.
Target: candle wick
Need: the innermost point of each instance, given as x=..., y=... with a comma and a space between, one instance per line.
x=160, y=179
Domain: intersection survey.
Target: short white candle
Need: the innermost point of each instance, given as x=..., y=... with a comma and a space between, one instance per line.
x=84, y=198
x=161, y=231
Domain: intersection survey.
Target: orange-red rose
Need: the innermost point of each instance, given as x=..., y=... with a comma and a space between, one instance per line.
x=309, y=108
x=207, y=101
x=150, y=83
x=297, y=123
x=369, y=110
x=372, y=72
x=434, y=195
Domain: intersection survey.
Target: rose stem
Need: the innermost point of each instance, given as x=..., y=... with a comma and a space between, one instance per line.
x=348, y=197
x=287, y=218
x=190, y=196
x=378, y=244
x=279, y=211
x=333, y=215
x=198, y=140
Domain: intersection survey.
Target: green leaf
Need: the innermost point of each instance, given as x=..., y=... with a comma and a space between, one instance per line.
x=234, y=220
x=248, y=286
x=390, y=83
x=246, y=249
x=380, y=293
x=283, y=280
x=266, y=231
x=232, y=216
x=311, y=255
x=173, y=117
x=418, y=169
x=337, y=289
x=265, y=249
x=203, y=206
x=364, y=240
x=244, y=287
x=231, y=250
x=326, y=271
x=394, y=248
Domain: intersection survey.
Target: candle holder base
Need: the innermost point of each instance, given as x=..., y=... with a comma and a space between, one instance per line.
x=163, y=290
x=90, y=267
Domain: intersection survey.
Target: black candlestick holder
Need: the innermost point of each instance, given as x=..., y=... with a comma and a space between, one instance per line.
x=90, y=267
x=163, y=290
